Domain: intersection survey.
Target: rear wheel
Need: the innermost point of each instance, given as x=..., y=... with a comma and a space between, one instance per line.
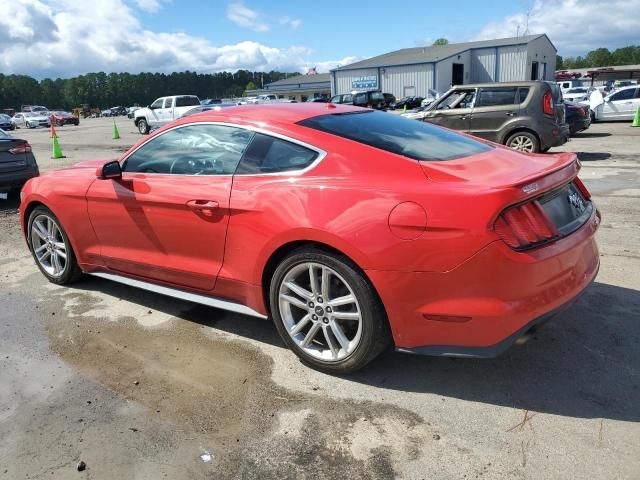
x=524, y=142
x=327, y=312
x=50, y=247
x=143, y=126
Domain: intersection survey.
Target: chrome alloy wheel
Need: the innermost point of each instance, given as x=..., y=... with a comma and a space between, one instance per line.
x=522, y=143
x=48, y=245
x=320, y=311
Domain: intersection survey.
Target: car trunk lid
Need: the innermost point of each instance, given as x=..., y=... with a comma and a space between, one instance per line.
x=12, y=156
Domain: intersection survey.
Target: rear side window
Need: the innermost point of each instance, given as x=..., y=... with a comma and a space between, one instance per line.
x=272, y=155
x=623, y=95
x=187, y=101
x=492, y=97
x=556, y=92
x=523, y=93
x=360, y=99
x=399, y=135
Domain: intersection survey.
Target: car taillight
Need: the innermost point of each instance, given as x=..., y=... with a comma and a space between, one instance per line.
x=22, y=148
x=581, y=112
x=524, y=226
x=547, y=103
x=583, y=190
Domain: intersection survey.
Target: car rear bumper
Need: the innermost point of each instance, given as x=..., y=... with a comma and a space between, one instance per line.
x=554, y=137
x=15, y=180
x=484, y=305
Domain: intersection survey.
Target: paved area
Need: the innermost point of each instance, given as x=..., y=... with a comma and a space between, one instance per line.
x=140, y=386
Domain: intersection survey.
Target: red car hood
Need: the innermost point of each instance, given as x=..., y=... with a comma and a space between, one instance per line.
x=498, y=168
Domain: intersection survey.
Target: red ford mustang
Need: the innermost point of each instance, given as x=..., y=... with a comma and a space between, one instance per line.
x=353, y=229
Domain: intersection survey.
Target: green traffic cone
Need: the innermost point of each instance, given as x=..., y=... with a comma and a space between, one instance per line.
x=56, y=151
x=116, y=134
x=404, y=110
x=636, y=119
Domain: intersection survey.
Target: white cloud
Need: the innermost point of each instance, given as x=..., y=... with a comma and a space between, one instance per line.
x=68, y=37
x=574, y=26
x=151, y=6
x=244, y=17
x=291, y=22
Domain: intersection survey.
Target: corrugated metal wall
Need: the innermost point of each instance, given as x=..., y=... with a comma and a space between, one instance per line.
x=483, y=65
x=512, y=63
x=399, y=80
x=541, y=50
x=343, y=79
x=444, y=70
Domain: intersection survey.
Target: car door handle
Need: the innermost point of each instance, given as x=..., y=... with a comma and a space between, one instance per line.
x=465, y=117
x=510, y=114
x=205, y=207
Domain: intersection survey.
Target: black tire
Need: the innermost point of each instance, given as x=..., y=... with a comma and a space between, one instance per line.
x=71, y=272
x=519, y=139
x=375, y=335
x=143, y=126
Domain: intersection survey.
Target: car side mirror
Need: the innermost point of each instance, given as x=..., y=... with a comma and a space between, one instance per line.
x=110, y=171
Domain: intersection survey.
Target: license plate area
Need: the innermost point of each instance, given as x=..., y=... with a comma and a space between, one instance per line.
x=567, y=208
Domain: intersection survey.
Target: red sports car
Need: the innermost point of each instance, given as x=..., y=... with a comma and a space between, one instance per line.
x=352, y=229
x=64, y=118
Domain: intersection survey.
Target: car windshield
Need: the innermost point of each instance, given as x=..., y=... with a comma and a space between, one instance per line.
x=577, y=90
x=396, y=134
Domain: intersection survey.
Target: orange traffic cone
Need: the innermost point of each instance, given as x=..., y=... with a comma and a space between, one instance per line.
x=53, y=131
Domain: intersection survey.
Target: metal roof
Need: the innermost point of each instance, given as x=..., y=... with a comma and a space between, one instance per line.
x=302, y=79
x=434, y=53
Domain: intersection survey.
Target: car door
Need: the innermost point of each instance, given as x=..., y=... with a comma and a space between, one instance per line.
x=19, y=119
x=619, y=105
x=453, y=110
x=494, y=107
x=156, y=110
x=166, y=218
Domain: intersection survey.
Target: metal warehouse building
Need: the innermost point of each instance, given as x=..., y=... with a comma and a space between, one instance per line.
x=412, y=71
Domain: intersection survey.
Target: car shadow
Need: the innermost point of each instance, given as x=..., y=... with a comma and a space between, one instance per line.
x=10, y=204
x=592, y=156
x=592, y=134
x=585, y=363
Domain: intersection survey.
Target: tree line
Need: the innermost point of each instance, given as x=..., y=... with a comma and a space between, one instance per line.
x=601, y=57
x=104, y=90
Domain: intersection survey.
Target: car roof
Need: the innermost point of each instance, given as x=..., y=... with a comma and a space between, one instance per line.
x=528, y=83
x=287, y=113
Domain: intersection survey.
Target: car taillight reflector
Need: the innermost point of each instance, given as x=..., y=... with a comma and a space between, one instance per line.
x=582, y=112
x=524, y=226
x=22, y=148
x=547, y=103
x=583, y=190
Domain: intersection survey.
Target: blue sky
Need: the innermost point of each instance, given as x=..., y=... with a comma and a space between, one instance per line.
x=63, y=38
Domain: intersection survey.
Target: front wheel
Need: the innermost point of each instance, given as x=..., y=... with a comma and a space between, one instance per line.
x=327, y=312
x=143, y=126
x=50, y=247
x=524, y=142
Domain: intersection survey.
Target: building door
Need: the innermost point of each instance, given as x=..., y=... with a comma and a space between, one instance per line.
x=409, y=92
x=534, y=70
x=457, y=74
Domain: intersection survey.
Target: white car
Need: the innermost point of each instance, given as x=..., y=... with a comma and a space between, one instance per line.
x=31, y=119
x=432, y=96
x=619, y=105
x=577, y=94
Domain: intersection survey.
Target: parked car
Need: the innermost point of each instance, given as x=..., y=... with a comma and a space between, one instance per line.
x=6, y=123
x=118, y=111
x=17, y=163
x=372, y=99
x=577, y=94
x=353, y=229
x=578, y=116
x=106, y=113
x=64, y=118
x=131, y=111
x=31, y=119
x=34, y=108
x=164, y=110
x=566, y=74
x=526, y=116
x=408, y=102
x=618, y=105
x=432, y=96
x=318, y=100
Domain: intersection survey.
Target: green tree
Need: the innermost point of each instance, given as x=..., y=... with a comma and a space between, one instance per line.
x=600, y=57
x=559, y=63
x=441, y=41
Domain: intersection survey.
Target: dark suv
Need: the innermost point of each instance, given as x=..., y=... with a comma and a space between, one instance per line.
x=373, y=99
x=527, y=116
x=17, y=163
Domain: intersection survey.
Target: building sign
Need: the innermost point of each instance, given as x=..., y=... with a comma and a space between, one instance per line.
x=361, y=83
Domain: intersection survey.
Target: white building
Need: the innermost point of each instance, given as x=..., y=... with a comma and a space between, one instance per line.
x=412, y=71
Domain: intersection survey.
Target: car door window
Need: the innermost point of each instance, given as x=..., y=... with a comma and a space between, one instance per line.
x=348, y=98
x=268, y=154
x=623, y=95
x=335, y=99
x=492, y=97
x=168, y=103
x=202, y=149
x=157, y=103
x=458, y=99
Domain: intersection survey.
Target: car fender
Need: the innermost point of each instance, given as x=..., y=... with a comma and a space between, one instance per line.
x=516, y=124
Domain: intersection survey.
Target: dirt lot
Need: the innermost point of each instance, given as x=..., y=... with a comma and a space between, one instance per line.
x=140, y=386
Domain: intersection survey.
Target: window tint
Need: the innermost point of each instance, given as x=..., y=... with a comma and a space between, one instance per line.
x=157, y=103
x=396, y=134
x=523, y=93
x=491, y=97
x=360, y=99
x=377, y=96
x=624, y=94
x=4, y=135
x=192, y=150
x=348, y=98
x=638, y=93
x=168, y=103
x=187, y=101
x=269, y=155
x=336, y=99
x=457, y=99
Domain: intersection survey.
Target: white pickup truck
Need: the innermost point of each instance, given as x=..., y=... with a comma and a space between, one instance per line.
x=163, y=110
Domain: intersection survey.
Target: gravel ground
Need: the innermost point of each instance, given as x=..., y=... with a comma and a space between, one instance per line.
x=141, y=386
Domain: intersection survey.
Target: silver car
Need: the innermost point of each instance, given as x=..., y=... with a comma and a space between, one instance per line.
x=31, y=119
x=621, y=104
